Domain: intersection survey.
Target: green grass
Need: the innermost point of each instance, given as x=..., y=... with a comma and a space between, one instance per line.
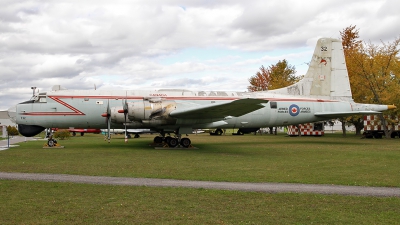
x=28, y=202
x=326, y=160
x=268, y=158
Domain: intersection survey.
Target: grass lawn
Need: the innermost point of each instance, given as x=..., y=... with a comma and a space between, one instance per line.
x=268, y=158
x=332, y=159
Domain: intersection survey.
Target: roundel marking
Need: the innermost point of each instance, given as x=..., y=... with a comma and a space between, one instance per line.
x=294, y=110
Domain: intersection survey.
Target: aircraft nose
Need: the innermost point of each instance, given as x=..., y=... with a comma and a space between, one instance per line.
x=12, y=113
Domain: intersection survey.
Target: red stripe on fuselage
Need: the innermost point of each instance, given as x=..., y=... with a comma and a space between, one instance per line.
x=199, y=98
x=75, y=111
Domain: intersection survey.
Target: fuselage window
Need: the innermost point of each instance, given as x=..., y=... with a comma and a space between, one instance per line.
x=273, y=105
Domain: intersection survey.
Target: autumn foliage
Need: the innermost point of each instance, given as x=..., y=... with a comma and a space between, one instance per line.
x=275, y=76
x=12, y=131
x=374, y=71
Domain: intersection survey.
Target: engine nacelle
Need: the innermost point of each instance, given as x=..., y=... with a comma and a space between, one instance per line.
x=116, y=116
x=150, y=110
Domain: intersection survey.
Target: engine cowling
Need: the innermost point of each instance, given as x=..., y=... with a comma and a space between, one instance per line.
x=116, y=116
x=148, y=110
x=153, y=112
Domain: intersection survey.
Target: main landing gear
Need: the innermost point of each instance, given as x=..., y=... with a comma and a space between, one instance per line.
x=173, y=142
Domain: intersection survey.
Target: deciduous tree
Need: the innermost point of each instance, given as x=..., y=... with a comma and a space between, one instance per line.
x=12, y=131
x=373, y=69
x=277, y=75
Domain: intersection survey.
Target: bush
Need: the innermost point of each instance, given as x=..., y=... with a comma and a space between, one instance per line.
x=61, y=134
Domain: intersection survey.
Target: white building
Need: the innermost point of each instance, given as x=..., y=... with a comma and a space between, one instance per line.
x=5, y=122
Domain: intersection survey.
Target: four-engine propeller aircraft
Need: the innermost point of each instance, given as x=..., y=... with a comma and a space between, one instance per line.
x=323, y=93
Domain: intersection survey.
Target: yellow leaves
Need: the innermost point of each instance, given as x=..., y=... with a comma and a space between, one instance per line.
x=374, y=70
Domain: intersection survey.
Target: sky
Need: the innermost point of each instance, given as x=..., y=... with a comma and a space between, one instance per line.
x=153, y=44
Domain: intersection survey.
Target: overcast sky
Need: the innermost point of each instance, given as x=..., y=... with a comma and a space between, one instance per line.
x=152, y=44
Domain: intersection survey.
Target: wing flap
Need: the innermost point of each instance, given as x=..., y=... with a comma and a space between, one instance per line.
x=220, y=110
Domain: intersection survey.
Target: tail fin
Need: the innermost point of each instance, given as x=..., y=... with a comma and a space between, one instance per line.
x=327, y=76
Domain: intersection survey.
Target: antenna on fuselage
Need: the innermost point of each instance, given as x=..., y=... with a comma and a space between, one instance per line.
x=33, y=91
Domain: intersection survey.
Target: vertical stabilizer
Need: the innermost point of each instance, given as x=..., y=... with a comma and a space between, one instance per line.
x=327, y=76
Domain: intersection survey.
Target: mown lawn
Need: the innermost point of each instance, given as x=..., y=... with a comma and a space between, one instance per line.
x=268, y=158
x=326, y=160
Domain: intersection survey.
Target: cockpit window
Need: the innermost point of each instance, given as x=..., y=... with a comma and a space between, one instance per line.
x=42, y=99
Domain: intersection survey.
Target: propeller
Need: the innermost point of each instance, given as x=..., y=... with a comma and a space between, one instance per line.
x=108, y=120
x=124, y=110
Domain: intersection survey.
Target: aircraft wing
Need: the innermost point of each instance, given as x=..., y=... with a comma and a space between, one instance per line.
x=344, y=114
x=234, y=108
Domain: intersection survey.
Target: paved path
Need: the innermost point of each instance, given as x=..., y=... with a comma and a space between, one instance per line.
x=5, y=143
x=253, y=187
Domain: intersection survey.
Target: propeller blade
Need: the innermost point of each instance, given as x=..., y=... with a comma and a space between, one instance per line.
x=108, y=121
x=125, y=107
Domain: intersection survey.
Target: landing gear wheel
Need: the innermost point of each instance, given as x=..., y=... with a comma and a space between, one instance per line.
x=218, y=132
x=173, y=142
x=51, y=142
x=167, y=139
x=185, y=142
x=158, y=140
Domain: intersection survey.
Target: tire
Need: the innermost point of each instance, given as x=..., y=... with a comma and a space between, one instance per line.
x=167, y=139
x=158, y=140
x=185, y=142
x=377, y=135
x=173, y=142
x=51, y=143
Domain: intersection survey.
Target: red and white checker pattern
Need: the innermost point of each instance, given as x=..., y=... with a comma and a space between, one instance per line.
x=306, y=129
x=372, y=122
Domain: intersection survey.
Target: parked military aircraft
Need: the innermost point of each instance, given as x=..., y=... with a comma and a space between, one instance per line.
x=323, y=93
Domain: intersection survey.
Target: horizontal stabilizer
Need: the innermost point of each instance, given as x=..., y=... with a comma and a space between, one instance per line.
x=344, y=114
x=235, y=108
